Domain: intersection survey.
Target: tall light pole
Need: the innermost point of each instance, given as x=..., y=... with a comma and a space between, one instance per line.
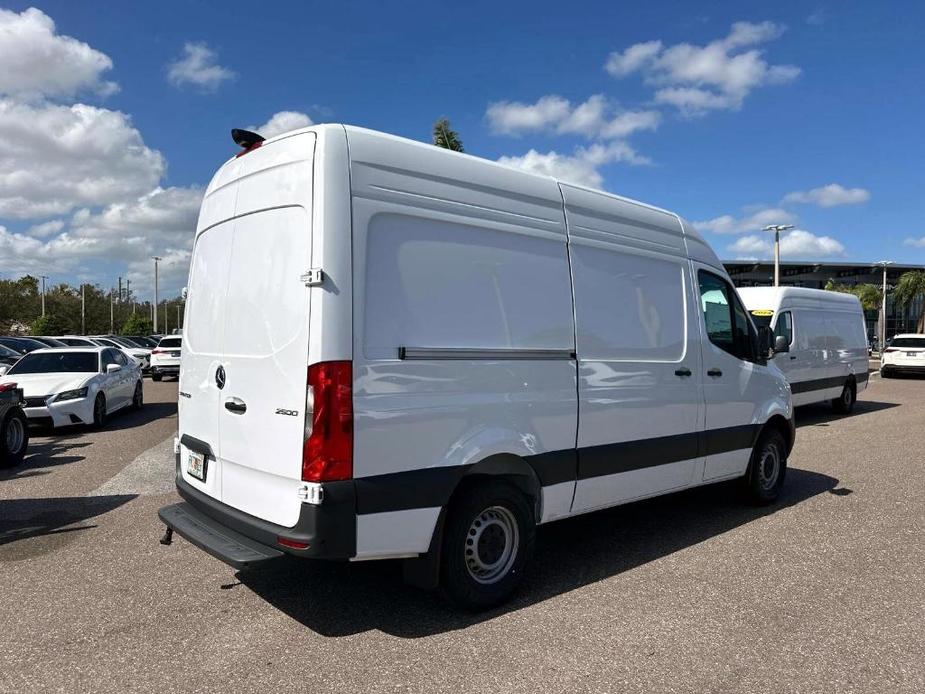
x=43, y=278
x=111, y=329
x=883, y=264
x=155, y=259
x=777, y=228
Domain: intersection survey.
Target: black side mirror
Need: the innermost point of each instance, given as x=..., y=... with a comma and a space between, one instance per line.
x=781, y=344
x=764, y=343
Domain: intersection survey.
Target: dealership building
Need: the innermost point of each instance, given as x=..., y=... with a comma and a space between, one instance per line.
x=899, y=319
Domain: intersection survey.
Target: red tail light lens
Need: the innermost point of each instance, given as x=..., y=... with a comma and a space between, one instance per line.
x=294, y=544
x=891, y=349
x=250, y=148
x=4, y=387
x=327, y=454
x=157, y=351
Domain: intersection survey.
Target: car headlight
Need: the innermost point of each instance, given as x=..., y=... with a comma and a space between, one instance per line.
x=75, y=394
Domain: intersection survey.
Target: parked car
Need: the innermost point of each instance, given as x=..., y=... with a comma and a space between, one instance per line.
x=75, y=341
x=906, y=354
x=8, y=357
x=23, y=345
x=14, y=431
x=140, y=354
x=823, y=352
x=486, y=350
x=48, y=341
x=76, y=385
x=165, y=358
x=142, y=341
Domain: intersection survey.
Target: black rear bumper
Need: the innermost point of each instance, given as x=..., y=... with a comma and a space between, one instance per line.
x=240, y=540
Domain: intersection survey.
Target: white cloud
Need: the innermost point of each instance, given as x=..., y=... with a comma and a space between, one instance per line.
x=49, y=228
x=38, y=63
x=593, y=118
x=829, y=196
x=794, y=244
x=282, y=122
x=198, y=67
x=697, y=79
x=55, y=158
x=919, y=243
x=755, y=221
x=581, y=167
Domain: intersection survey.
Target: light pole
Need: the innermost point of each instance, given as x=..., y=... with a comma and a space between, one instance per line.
x=883, y=264
x=44, y=277
x=777, y=228
x=155, y=259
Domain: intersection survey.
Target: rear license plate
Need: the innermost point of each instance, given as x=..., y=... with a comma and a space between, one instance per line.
x=196, y=465
x=174, y=354
x=911, y=354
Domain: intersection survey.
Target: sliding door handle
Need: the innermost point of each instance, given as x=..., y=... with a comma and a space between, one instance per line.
x=236, y=405
x=714, y=372
x=684, y=371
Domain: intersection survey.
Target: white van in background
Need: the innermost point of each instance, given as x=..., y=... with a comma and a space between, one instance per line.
x=392, y=350
x=826, y=337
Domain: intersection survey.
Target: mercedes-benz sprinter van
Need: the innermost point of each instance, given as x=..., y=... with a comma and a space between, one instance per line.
x=822, y=341
x=393, y=350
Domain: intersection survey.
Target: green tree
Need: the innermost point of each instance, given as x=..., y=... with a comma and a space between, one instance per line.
x=49, y=324
x=446, y=137
x=868, y=294
x=911, y=285
x=137, y=324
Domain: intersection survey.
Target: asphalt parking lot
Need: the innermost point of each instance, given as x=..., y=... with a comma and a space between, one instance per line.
x=694, y=592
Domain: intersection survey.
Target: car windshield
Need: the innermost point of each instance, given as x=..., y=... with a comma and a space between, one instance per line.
x=129, y=342
x=23, y=345
x=57, y=362
x=908, y=342
x=7, y=353
x=170, y=343
x=144, y=341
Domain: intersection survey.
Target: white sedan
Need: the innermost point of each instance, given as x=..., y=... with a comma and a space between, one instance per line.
x=76, y=385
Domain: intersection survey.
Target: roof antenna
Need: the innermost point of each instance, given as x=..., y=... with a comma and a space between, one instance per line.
x=246, y=139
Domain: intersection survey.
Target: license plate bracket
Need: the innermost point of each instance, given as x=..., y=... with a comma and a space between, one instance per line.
x=196, y=465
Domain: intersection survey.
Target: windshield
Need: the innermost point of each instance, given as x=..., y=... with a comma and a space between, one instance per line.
x=57, y=362
x=129, y=342
x=762, y=318
x=7, y=353
x=168, y=342
x=908, y=342
x=144, y=341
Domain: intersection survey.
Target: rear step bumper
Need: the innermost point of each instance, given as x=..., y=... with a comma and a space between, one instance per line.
x=222, y=543
x=239, y=539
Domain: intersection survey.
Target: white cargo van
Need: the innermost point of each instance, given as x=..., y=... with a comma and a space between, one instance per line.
x=392, y=350
x=821, y=341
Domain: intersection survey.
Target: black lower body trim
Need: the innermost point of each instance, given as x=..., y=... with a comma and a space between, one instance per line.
x=823, y=383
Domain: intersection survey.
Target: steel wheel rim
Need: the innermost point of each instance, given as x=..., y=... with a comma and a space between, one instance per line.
x=769, y=466
x=491, y=545
x=15, y=435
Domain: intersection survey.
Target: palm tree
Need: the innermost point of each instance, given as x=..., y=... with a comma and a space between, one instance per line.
x=446, y=137
x=868, y=294
x=911, y=285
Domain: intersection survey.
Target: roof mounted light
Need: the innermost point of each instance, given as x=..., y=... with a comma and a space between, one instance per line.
x=246, y=139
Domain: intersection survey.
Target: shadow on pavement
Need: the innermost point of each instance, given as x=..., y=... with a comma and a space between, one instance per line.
x=340, y=599
x=822, y=411
x=21, y=519
x=44, y=454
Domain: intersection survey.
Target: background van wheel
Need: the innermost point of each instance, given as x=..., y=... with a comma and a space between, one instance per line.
x=844, y=403
x=14, y=438
x=138, y=398
x=487, y=540
x=99, y=411
x=767, y=468
x=156, y=377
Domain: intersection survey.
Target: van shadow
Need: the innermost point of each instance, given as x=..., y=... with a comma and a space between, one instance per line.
x=821, y=413
x=341, y=599
x=21, y=519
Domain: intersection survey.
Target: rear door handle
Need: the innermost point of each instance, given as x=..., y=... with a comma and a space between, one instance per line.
x=684, y=371
x=714, y=372
x=792, y=358
x=236, y=405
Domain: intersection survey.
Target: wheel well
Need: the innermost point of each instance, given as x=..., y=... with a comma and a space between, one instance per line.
x=506, y=467
x=780, y=423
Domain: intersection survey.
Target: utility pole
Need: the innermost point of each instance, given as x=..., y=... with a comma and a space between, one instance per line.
x=44, y=277
x=111, y=330
x=120, y=289
x=883, y=264
x=178, y=316
x=83, y=309
x=777, y=228
x=156, y=260
x=128, y=292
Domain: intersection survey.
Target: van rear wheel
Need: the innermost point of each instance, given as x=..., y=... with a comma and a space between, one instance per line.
x=487, y=540
x=844, y=403
x=767, y=468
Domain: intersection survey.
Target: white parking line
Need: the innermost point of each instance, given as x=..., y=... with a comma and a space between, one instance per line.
x=152, y=472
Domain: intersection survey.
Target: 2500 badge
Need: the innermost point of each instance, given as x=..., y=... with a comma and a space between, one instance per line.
x=290, y=413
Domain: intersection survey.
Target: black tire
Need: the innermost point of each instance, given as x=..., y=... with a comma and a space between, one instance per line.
x=156, y=377
x=487, y=540
x=844, y=403
x=14, y=438
x=99, y=411
x=886, y=373
x=767, y=468
x=138, y=397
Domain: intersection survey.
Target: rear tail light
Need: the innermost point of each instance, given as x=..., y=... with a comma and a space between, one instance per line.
x=327, y=454
x=891, y=349
x=292, y=544
x=4, y=387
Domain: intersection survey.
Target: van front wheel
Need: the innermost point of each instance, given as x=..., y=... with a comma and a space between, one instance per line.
x=486, y=543
x=767, y=468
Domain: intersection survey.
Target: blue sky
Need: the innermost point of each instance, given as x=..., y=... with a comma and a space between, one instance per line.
x=734, y=115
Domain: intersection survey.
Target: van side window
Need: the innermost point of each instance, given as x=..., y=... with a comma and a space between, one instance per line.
x=725, y=318
x=784, y=326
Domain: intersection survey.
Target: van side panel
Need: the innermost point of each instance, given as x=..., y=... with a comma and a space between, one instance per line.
x=451, y=253
x=640, y=400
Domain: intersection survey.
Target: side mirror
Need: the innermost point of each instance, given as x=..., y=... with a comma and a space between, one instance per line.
x=112, y=368
x=764, y=343
x=781, y=344
x=183, y=293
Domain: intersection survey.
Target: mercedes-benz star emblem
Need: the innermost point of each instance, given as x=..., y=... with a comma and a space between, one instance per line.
x=220, y=377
